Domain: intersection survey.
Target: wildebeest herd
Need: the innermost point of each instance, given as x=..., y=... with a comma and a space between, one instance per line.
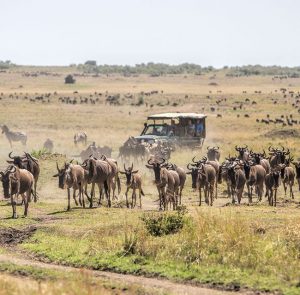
x=248, y=172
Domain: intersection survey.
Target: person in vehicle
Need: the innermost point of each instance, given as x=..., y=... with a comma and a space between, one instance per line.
x=191, y=128
x=199, y=128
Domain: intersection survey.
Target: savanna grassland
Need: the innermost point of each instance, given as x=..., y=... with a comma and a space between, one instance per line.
x=234, y=247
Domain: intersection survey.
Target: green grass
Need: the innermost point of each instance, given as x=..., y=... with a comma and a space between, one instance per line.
x=222, y=247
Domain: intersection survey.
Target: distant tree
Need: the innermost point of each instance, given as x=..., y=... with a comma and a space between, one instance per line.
x=69, y=80
x=91, y=63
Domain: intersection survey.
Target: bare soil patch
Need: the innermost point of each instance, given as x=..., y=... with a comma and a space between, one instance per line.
x=13, y=236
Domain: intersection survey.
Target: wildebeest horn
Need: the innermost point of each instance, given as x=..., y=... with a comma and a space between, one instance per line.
x=13, y=170
x=208, y=148
x=237, y=148
x=193, y=160
x=149, y=162
x=246, y=146
x=217, y=148
x=71, y=161
x=9, y=155
x=163, y=161
x=188, y=166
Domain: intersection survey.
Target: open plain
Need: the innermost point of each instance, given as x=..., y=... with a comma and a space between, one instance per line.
x=242, y=248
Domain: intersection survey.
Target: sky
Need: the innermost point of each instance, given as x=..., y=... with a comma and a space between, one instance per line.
x=205, y=32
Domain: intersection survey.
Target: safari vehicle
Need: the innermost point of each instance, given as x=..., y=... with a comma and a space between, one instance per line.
x=184, y=129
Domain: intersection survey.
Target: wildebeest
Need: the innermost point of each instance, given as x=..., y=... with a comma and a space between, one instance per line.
x=80, y=137
x=115, y=180
x=237, y=179
x=255, y=178
x=99, y=172
x=182, y=178
x=277, y=156
x=72, y=177
x=260, y=158
x=243, y=153
x=134, y=182
x=297, y=167
x=48, y=145
x=213, y=153
x=29, y=163
x=272, y=183
x=167, y=182
x=16, y=182
x=14, y=135
x=287, y=176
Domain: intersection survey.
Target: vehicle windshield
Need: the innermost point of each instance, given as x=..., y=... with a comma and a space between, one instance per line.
x=159, y=130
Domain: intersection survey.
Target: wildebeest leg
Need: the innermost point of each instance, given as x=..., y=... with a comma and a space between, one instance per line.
x=180, y=194
x=211, y=194
x=69, y=200
x=285, y=187
x=291, y=190
x=74, y=196
x=249, y=193
x=199, y=195
x=35, y=197
x=132, y=198
x=107, y=186
x=275, y=197
x=140, y=197
x=216, y=195
x=92, y=194
x=160, y=197
x=26, y=198
x=13, y=204
x=113, y=186
x=126, y=195
x=82, y=195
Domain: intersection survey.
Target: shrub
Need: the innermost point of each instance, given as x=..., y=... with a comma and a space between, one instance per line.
x=160, y=224
x=140, y=101
x=129, y=245
x=69, y=80
x=39, y=153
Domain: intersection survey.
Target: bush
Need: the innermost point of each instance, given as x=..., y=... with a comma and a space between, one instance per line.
x=39, y=153
x=160, y=224
x=69, y=80
x=140, y=101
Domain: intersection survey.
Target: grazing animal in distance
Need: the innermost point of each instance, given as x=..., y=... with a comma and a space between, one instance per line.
x=16, y=182
x=80, y=137
x=14, y=136
x=48, y=145
x=134, y=182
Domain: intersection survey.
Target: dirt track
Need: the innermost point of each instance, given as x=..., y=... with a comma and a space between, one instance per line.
x=152, y=283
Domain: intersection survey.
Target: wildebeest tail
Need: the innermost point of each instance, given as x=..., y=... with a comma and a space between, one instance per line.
x=119, y=184
x=220, y=175
x=142, y=192
x=35, y=196
x=106, y=186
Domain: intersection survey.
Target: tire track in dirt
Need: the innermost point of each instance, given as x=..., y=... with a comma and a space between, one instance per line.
x=153, y=283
